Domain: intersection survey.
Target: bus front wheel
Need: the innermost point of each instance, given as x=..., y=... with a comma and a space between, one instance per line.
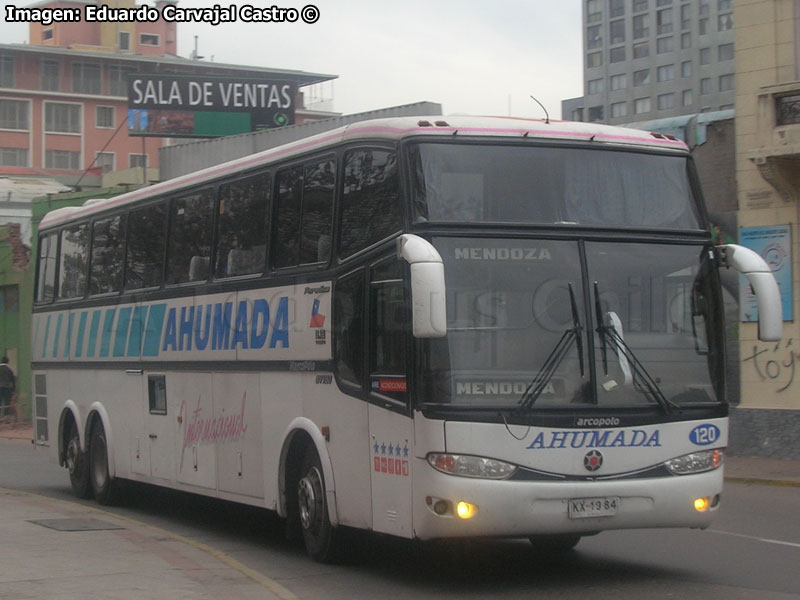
x=102, y=483
x=319, y=536
x=76, y=461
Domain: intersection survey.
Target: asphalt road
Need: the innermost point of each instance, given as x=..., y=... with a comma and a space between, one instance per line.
x=752, y=550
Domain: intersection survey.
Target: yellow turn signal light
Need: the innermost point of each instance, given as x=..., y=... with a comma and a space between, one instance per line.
x=701, y=504
x=465, y=510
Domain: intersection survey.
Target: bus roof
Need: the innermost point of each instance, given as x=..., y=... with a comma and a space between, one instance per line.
x=388, y=129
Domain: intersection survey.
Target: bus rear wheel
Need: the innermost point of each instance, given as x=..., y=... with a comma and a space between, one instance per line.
x=102, y=483
x=76, y=461
x=320, y=537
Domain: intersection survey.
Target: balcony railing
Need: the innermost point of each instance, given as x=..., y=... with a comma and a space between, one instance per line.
x=787, y=110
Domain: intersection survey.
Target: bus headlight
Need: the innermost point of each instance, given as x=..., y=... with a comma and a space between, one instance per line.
x=696, y=462
x=471, y=466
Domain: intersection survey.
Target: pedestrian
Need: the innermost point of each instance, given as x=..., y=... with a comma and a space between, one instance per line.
x=8, y=383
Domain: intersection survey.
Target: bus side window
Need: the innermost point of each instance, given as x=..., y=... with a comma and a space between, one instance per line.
x=388, y=330
x=74, y=261
x=241, y=227
x=348, y=329
x=147, y=240
x=304, y=214
x=48, y=255
x=189, y=237
x=371, y=207
x=108, y=252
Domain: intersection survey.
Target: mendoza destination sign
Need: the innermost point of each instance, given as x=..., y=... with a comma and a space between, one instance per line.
x=203, y=106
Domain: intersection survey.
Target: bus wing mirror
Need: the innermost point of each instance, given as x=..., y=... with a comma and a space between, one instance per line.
x=428, y=310
x=761, y=279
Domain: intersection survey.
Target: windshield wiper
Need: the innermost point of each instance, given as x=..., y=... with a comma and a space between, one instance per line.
x=641, y=378
x=556, y=356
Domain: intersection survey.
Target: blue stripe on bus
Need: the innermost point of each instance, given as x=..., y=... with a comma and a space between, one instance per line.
x=57, y=337
x=152, y=334
x=137, y=331
x=93, y=333
x=121, y=337
x=108, y=329
x=81, y=331
x=68, y=344
x=46, y=336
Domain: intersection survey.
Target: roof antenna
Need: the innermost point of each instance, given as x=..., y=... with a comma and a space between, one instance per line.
x=547, y=120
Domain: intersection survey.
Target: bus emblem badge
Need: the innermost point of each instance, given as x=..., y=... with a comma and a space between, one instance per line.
x=593, y=460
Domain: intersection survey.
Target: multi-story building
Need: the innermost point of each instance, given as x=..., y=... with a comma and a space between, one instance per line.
x=63, y=96
x=653, y=59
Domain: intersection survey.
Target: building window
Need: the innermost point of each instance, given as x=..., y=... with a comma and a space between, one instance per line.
x=725, y=22
x=664, y=21
x=641, y=77
x=105, y=160
x=6, y=71
x=616, y=8
x=702, y=26
x=705, y=56
x=104, y=117
x=617, y=31
x=118, y=80
x=619, y=109
x=641, y=106
x=594, y=86
x=666, y=101
x=703, y=9
x=594, y=37
x=14, y=114
x=595, y=113
x=51, y=75
x=665, y=73
x=62, y=159
x=724, y=5
x=14, y=157
x=641, y=26
x=725, y=52
x=663, y=2
x=149, y=39
x=616, y=55
x=594, y=59
x=686, y=68
x=686, y=40
x=686, y=97
x=594, y=11
x=137, y=161
x=62, y=118
x=124, y=41
x=640, y=5
x=664, y=45
x=577, y=114
x=641, y=50
x=705, y=86
x=86, y=78
x=726, y=82
x=47, y=34
x=619, y=82
x=686, y=16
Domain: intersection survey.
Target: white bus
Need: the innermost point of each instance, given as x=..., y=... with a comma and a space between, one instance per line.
x=424, y=328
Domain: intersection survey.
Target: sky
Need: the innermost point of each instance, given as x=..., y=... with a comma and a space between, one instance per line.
x=482, y=57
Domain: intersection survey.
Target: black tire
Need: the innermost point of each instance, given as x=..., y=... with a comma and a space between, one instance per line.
x=555, y=544
x=320, y=537
x=103, y=484
x=77, y=463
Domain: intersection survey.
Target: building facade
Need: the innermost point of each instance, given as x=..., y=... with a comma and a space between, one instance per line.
x=768, y=177
x=652, y=59
x=63, y=96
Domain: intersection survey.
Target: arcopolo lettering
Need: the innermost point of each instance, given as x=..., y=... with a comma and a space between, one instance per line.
x=634, y=438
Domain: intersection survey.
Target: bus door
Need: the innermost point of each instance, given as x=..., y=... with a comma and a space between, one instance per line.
x=390, y=424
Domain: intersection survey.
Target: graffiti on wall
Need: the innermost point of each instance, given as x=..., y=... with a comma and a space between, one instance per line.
x=775, y=362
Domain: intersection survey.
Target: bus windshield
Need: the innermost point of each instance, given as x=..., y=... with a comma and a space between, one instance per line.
x=531, y=321
x=468, y=183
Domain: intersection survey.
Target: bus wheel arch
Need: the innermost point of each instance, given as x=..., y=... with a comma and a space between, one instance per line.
x=301, y=435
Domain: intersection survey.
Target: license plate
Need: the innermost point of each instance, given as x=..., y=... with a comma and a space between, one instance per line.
x=583, y=508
